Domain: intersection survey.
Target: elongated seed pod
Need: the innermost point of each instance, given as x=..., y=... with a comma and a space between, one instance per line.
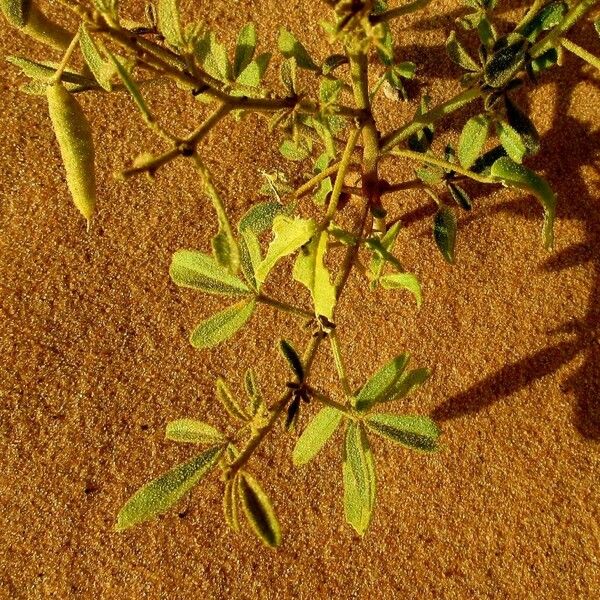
x=74, y=138
x=24, y=15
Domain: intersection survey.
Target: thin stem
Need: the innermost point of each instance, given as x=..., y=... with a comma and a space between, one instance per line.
x=318, y=395
x=568, y=21
x=581, y=52
x=284, y=306
x=339, y=363
x=65, y=59
x=399, y=11
x=341, y=174
x=438, y=162
x=308, y=187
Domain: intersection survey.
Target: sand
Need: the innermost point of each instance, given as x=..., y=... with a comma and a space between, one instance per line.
x=95, y=362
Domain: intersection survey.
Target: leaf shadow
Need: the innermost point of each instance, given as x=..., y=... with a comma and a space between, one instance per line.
x=567, y=146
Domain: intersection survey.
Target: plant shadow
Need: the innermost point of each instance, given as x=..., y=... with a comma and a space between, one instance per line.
x=572, y=146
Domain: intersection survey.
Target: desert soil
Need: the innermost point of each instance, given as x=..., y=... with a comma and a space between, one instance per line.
x=95, y=359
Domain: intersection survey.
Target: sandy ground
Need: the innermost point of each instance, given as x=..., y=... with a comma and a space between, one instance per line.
x=95, y=362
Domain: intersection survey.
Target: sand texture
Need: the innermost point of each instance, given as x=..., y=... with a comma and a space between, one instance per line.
x=96, y=360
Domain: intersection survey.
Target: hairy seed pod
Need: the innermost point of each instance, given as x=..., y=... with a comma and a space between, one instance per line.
x=24, y=15
x=76, y=147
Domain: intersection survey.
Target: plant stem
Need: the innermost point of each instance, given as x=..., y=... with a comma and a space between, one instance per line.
x=318, y=395
x=65, y=59
x=398, y=135
x=568, y=21
x=308, y=187
x=438, y=162
x=400, y=11
x=284, y=306
x=339, y=363
x=581, y=52
x=341, y=174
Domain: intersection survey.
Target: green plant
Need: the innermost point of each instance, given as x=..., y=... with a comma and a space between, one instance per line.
x=323, y=113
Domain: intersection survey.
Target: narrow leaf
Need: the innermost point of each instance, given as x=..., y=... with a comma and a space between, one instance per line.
x=193, y=269
x=444, y=232
x=412, y=431
x=523, y=125
x=316, y=434
x=382, y=386
x=290, y=47
x=229, y=402
x=17, y=12
x=290, y=354
x=169, y=21
x=230, y=504
x=44, y=71
x=460, y=196
x=406, y=281
x=472, y=140
x=504, y=64
x=132, y=88
x=222, y=325
x=511, y=141
x=514, y=175
x=359, y=478
x=245, y=48
x=259, y=511
x=289, y=235
x=378, y=260
x=459, y=55
x=193, y=431
x=100, y=68
x=159, y=495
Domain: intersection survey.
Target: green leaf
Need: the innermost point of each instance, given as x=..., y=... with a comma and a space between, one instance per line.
x=259, y=511
x=505, y=63
x=229, y=401
x=332, y=62
x=511, y=141
x=460, y=196
x=375, y=244
x=514, y=175
x=222, y=325
x=159, y=495
x=231, y=498
x=169, y=23
x=310, y=270
x=245, y=48
x=250, y=257
x=523, y=125
x=359, y=478
x=260, y=217
x=100, y=68
x=16, y=11
x=290, y=354
x=325, y=188
x=330, y=90
x=444, y=232
x=544, y=61
x=412, y=431
x=406, y=281
x=459, y=55
x=316, y=434
x=383, y=385
x=290, y=47
x=293, y=151
x=132, y=88
x=547, y=17
x=289, y=235
x=288, y=75
x=193, y=269
x=214, y=58
x=472, y=139
x=378, y=260
x=257, y=403
x=193, y=431
x=252, y=74
x=430, y=175
x=44, y=71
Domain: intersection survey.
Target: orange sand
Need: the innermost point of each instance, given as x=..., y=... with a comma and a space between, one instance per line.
x=95, y=361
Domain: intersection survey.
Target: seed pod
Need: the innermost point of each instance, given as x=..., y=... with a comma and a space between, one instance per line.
x=76, y=147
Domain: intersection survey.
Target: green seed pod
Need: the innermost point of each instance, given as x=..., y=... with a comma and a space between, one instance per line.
x=24, y=15
x=76, y=147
